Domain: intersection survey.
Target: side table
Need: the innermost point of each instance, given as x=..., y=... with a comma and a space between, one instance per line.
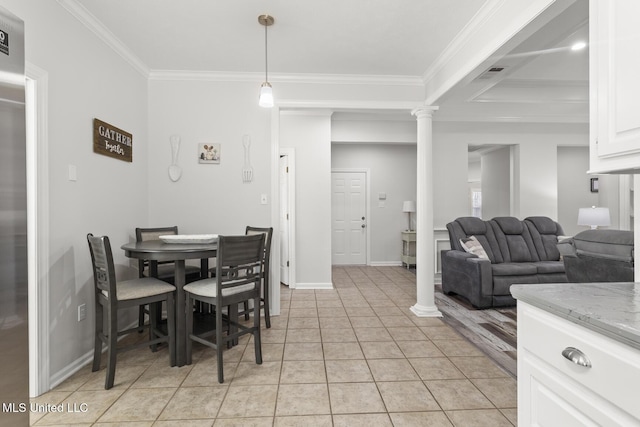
x=408, y=248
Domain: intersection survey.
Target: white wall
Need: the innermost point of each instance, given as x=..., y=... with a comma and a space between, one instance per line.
x=573, y=187
x=309, y=134
x=495, y=182
x=86, y=80
x=536, y=174
x=208, y=198
x=392, y=170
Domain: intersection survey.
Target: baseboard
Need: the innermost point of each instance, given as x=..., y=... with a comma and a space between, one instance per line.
x=327, y=285
x=60, y=376
x=385, y=263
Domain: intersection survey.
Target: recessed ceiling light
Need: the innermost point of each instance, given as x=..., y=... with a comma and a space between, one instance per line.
x=578, y=46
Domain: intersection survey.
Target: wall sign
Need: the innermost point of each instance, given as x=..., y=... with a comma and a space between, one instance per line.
x=113, y=142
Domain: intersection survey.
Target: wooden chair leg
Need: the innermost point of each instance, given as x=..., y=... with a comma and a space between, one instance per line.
x=219, y=344
x=99, y=330
x=141, y=319
x=256, y=332
x=189, y=327
x=153, y=324
x=112, y=340
x=265, y=299
x=246, y=310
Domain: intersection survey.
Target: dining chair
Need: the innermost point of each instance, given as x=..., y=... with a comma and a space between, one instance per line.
x=111, y=296
x=165, y=269
x=264, y=299
x=238, y=277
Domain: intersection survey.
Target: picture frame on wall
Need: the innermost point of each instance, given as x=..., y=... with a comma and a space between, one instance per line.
x=209, y=153
x=594, y=185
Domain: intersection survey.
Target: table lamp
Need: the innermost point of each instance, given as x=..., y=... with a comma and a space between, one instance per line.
x=594, y=217
x=408, y=207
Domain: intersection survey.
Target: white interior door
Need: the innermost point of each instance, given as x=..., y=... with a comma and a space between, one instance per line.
x=284, y=219
x=348, y=218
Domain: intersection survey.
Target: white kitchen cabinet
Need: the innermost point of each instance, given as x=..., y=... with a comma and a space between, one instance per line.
x=614, y=86
x=554, y=391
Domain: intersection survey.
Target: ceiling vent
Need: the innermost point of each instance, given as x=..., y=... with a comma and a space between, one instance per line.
x=492, y=72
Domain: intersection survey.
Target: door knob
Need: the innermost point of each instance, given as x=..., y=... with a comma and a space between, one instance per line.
x=363, y=226
x=363, y=218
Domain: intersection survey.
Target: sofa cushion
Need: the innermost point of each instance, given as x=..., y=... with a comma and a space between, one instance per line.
x=473, y=246
x=514, y=240
x=514, y=269
x=611, y=244
x=464, y=227
x=550, y=267
x=545, y=234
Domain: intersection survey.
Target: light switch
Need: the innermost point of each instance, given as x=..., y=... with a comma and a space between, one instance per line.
x=382, y=196
x=73, y=176
x=263, y=199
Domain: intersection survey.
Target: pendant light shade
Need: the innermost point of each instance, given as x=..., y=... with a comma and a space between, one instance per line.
x=266, y=91
x=266, y=95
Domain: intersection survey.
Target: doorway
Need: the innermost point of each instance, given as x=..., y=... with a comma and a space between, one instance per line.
x=348, y=218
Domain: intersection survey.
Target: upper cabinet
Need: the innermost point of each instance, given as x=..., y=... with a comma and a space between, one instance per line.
x=614, y=68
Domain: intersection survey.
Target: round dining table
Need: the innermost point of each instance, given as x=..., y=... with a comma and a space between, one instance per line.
x=158, y=251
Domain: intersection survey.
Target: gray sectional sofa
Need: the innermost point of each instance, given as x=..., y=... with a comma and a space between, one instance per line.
x=518, y=251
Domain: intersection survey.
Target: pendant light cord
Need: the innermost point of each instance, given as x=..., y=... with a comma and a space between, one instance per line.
x=266, y=63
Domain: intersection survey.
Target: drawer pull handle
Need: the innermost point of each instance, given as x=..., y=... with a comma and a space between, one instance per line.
x=576, y=356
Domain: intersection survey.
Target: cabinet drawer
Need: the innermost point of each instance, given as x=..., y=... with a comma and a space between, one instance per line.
x=615, y=368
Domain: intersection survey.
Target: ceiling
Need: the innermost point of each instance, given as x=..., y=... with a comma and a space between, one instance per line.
x=355, y=37
x=542, y=80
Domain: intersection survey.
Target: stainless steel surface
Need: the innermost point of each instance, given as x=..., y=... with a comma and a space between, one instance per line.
x=576, y=356
x=14, y=332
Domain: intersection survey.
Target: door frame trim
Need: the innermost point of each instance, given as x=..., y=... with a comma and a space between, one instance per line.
x=367, y=205
x=290, y=152
x=38, y=231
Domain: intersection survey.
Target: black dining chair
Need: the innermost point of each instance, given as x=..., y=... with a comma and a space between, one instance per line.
x=264, y=299
x=164, y=270
x=238, y=277
x=111, y=296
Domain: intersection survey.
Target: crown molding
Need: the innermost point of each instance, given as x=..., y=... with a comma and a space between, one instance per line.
x=336, y=79
x=485, y=13
x=78, y=11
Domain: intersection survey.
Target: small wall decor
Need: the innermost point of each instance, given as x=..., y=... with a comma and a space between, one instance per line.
x=175, y=171
x=594, y=185
x=247, y=170
x=209, y=153
x=110, y=141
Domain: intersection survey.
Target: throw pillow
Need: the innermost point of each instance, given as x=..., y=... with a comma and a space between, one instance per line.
x=473, y=246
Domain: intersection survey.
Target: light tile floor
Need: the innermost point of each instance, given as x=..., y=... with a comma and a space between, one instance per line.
x=354, y=355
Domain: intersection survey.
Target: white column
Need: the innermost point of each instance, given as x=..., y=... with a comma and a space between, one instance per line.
x=425, y=251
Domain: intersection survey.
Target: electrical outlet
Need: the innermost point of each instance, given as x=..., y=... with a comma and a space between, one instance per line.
x=82, y=312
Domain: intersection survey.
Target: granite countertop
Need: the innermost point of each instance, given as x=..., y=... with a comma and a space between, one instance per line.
x=612, y=309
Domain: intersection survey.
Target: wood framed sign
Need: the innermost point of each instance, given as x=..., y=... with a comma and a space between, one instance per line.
x=110, y=141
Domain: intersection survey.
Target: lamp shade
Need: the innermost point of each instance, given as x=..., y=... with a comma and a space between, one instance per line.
x=409, y=206
x=266, y=95
x=594, y=217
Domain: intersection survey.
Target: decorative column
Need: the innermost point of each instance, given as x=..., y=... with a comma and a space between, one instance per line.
x=425, y=251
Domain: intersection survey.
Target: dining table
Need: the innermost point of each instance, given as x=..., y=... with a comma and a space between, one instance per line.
x=159, y=251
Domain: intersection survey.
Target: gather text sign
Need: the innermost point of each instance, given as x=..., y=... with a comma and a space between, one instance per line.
x=111, y=141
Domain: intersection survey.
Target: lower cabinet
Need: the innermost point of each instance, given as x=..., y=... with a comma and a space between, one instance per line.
x=569, y=375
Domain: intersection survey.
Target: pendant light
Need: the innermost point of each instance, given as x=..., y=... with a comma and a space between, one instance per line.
x=266, y=92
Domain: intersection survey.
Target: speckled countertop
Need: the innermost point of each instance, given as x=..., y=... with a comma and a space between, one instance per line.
x=612, y=309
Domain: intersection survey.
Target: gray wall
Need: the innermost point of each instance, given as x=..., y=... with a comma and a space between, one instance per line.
x=495, y=181
x=573, y=187
x=392, y=171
